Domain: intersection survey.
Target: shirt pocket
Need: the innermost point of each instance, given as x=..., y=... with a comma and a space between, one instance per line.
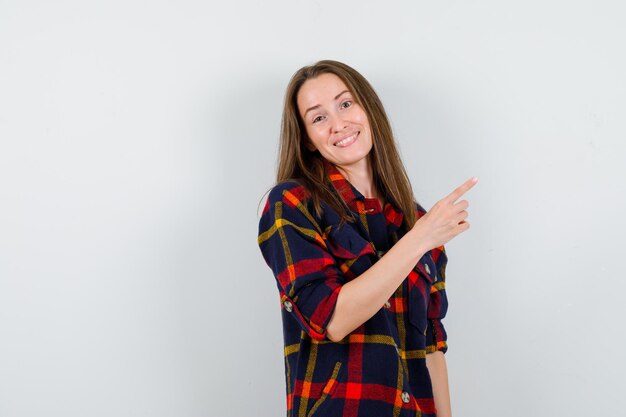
x=427, y=268
x=345, y=242
x=419, y=293
x=330, y=387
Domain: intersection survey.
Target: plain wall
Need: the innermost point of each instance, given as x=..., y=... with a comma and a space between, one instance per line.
x=137, y=140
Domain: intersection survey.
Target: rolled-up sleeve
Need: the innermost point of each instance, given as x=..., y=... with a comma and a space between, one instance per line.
x=436, y=336
x=292, y=245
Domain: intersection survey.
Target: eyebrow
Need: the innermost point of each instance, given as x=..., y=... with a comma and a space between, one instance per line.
x=317, y=105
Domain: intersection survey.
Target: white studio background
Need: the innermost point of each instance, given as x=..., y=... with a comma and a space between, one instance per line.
x=137, y=139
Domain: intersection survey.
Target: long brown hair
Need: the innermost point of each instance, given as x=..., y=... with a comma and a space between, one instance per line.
x=296, y=162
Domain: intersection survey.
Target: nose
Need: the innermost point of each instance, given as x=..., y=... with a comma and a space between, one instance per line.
x=337, y=123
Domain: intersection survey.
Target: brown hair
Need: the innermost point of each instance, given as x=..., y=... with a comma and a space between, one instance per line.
x=296, y=162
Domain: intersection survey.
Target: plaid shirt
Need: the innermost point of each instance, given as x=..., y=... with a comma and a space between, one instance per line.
x=379, y=369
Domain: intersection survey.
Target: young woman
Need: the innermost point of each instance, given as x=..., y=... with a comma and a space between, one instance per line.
x=359, y=264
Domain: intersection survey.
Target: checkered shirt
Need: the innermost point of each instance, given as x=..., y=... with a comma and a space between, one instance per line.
x=379, y=369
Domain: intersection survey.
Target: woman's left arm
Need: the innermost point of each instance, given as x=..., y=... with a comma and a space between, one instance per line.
x=436, y=364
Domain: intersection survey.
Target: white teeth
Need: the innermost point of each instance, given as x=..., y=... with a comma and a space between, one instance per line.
x=346, y=140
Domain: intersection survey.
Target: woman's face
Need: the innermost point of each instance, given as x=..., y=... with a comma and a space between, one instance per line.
x=337, y=126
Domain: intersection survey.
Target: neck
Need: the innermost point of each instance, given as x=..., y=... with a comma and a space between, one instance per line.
x=361, y=176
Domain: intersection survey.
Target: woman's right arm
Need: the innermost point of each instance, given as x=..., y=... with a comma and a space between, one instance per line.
x=360, y=298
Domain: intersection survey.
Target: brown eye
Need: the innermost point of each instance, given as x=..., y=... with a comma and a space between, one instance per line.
x=349, y=103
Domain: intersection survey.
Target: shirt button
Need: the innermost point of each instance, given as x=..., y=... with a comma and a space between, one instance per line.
x=406, y=397
x=381, y=253
x=288, y=305
x=387, y=304
x=427, y=269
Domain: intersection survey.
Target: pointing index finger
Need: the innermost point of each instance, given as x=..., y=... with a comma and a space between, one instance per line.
x=461, y=189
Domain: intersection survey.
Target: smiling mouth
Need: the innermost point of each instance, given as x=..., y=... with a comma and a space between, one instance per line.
x=347, y=141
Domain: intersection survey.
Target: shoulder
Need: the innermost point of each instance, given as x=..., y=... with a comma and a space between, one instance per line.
x=290, y=192
x=292, y=196
x=289, y=207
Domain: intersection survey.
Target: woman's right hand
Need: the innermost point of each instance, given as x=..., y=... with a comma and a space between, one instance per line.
x=445, y=219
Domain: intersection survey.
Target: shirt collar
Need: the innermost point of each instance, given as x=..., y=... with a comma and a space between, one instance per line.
x=357, y=201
